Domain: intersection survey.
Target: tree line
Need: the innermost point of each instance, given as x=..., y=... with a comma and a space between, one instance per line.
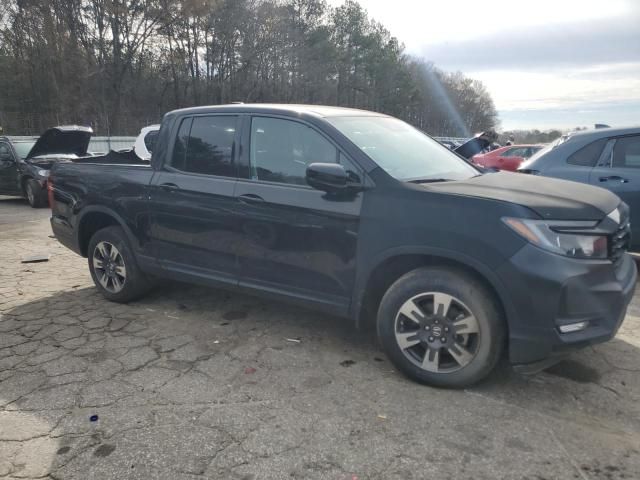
x=118, y=65
x=530, y=136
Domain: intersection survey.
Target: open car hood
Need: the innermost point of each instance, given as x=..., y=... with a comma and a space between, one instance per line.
x=66, y=140
x=476, y=145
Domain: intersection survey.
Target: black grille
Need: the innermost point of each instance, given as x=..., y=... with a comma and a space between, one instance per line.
x=619, y=242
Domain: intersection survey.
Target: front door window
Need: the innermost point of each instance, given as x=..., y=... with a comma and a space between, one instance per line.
x=281, y=150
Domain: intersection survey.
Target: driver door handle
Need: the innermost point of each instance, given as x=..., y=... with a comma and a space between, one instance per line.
x=615, y=178
x=169, y=187
x=251, y=198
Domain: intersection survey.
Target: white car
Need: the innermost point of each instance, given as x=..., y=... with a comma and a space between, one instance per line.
x=146, y=141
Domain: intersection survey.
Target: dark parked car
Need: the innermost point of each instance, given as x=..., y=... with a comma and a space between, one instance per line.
x=360, y=215
x=606, y=157
x=25, y=163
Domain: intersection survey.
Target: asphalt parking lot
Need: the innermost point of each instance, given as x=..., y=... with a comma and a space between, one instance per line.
x=193, y=383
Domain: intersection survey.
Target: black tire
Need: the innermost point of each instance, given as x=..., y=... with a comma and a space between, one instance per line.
x=483, y=349
x=36, y=195
x=135, y=283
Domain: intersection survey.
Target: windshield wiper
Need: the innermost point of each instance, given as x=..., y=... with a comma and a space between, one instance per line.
x=429, y=180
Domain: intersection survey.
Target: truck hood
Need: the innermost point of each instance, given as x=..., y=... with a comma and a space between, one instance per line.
x=548, y=197
x=71, y=140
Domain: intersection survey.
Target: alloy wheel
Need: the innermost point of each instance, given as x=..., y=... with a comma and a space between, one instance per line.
x=109, y=267
x=437, y=332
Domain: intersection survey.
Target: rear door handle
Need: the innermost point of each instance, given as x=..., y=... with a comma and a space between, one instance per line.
x=251, y=198
x=615, y=178
x=169, y=187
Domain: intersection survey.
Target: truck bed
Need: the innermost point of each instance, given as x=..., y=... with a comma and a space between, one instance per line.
x=82, y=187
x=126, y=157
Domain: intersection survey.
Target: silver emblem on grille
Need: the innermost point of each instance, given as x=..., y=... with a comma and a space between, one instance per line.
x=615, y=215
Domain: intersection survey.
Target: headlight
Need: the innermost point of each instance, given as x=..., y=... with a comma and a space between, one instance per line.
x=555, y=238
x=43, y=173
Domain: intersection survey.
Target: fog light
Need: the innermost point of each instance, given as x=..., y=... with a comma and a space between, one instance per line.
x=573, y=327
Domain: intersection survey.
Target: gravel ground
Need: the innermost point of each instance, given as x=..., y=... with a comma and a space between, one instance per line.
x=194, y=383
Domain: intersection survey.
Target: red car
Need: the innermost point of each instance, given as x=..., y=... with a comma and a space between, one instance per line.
x=506, y=158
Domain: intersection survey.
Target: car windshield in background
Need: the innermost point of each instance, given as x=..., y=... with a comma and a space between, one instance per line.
x=23, y=148
x=548, y=148
x=401, y=150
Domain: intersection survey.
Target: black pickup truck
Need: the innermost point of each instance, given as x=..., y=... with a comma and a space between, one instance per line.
x=360, y=215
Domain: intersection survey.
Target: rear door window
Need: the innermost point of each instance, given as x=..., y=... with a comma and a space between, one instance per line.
x=626, y=152
x=515, y=152
x=178, y=158
x=588, y=155
x=206, y=145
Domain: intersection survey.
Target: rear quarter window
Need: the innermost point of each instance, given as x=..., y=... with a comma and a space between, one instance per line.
x=588, y=155
x=150, y=140
x=626, y=152
x=515, y=152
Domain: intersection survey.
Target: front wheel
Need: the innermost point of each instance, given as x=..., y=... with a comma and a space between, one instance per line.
x=113, y=266
x=442, y=327
x=36, y=195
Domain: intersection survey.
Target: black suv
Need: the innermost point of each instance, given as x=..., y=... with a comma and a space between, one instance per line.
x=360, y=215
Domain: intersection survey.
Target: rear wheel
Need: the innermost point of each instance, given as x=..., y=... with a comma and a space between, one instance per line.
x=113, y=266
x=441, y=327
x=36, y=195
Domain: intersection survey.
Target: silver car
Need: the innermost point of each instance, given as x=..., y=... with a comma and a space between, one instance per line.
x=607, y=157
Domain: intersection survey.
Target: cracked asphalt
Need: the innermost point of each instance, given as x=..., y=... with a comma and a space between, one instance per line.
x=194, y=383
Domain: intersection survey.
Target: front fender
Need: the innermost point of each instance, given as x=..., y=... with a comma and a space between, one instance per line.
x=480, y=268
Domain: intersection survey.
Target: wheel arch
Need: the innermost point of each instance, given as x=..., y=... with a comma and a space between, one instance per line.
x=394, y=263
x=96, y=218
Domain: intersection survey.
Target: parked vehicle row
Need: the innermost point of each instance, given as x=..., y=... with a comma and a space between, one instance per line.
x=363, y=216
x=25, y=163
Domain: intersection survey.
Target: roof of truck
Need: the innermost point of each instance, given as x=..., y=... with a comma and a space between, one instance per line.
x=317, y=110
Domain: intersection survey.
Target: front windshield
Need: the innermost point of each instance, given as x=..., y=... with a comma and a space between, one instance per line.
x=401, y=150
x=23, y=148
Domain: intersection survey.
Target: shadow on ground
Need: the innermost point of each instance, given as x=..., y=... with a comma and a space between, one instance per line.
x=191, y=383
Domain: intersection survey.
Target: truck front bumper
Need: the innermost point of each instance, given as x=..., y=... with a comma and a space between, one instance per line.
x=551, y=293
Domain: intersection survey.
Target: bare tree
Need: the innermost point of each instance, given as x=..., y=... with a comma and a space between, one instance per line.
x=119, y=64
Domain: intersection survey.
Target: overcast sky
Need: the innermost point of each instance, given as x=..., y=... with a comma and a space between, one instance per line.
x=546, y=63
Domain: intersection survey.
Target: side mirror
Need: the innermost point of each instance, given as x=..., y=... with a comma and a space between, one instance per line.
x=328, y=177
